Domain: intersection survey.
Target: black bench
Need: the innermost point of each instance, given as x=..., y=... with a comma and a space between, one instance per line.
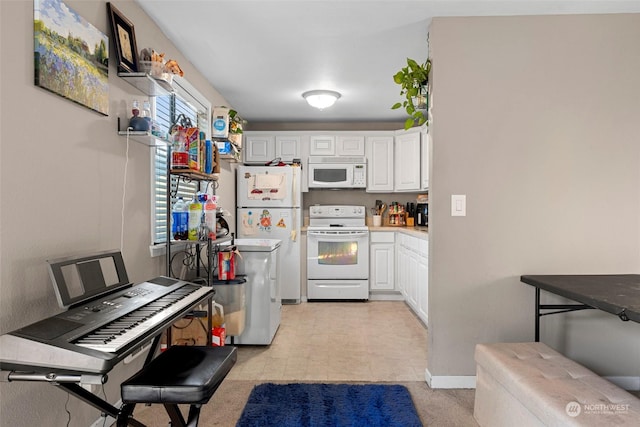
x=180, y=375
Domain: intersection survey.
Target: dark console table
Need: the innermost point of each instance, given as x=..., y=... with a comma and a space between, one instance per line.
x=617, y=294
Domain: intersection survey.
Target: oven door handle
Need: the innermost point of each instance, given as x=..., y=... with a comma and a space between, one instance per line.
x=347, y=234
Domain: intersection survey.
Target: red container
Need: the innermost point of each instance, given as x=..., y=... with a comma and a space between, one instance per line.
x=218, y=336
x=226, y=265
x=179, y=160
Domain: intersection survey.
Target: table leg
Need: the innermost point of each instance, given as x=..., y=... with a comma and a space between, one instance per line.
x=537, y=314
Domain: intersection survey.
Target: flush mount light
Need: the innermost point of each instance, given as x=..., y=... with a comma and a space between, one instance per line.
x=321, y=99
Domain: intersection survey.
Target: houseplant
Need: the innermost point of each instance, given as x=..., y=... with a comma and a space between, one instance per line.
x=235, y=133
x=413, y=80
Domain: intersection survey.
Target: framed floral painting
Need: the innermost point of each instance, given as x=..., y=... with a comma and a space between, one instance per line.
x=71, y=56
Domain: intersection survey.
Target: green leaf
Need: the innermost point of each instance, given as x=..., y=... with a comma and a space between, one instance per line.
x=408, y=124
x=396, y=106
x=410, y=109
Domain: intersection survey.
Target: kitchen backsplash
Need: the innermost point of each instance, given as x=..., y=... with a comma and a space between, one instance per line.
x=353, y=197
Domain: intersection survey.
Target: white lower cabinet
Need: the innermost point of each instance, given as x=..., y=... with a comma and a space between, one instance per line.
x=412, y=273
x=382, y=261
x=423, y=281
x=402, y=270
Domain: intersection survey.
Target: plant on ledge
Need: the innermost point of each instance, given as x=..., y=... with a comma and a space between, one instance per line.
x=413, y=79
x=235, y=133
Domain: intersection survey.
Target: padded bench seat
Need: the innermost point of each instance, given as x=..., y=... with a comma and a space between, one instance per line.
x=530, y=384
x=182, y=374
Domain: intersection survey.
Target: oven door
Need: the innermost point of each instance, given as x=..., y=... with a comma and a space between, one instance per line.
x=337, y=254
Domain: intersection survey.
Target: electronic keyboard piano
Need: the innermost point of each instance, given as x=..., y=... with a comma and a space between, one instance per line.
x=107, y=318
x=94, y=336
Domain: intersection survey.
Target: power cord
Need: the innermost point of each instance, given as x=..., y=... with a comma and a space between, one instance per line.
x=66, y=409
x=124, y=192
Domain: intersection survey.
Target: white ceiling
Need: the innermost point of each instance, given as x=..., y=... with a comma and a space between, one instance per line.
x=261, y=55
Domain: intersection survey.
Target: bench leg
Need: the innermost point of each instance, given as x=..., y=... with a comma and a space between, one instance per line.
x=194, y=415
x=125, y=416
x=177, y=420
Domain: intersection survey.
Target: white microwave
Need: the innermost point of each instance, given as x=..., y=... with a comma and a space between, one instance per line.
x=337, y=172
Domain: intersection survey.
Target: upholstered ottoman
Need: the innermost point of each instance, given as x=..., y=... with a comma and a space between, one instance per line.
x=530, y=384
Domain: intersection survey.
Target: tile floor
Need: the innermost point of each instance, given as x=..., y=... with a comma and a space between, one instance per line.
x=340, y=341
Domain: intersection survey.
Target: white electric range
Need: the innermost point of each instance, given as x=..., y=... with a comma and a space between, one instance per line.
x=337, y=253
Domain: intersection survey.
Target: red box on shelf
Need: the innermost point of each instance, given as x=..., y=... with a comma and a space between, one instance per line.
x=218, y=336
x=226, y=265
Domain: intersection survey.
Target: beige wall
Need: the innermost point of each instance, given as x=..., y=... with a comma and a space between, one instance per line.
x=535, y=119
x=61, y=171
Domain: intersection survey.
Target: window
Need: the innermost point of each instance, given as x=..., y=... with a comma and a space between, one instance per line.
x=186, y=100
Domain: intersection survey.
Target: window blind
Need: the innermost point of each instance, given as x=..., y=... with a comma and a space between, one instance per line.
x=167, y=109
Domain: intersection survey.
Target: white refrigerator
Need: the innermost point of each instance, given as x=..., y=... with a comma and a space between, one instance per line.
x=269, y=200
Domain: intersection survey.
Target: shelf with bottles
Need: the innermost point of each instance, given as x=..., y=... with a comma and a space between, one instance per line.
x=217, y=241
x=147, y=84
x=140, y=126
x=194, y=174
x=144, y=137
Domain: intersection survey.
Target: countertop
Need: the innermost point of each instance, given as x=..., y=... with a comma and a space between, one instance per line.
x=420, y=232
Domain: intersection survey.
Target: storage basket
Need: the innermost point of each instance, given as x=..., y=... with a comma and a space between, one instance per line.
x=156, y=70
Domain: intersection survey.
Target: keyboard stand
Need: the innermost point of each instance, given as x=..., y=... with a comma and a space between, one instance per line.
x=71, y=384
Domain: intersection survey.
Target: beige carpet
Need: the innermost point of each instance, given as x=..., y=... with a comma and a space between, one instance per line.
x=445, y=408
x=379, y=342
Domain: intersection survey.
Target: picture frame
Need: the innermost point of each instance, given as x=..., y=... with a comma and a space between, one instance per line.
x=71, y=56
x=124, y=38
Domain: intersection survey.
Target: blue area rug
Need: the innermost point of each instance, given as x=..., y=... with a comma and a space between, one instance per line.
x=330, y=405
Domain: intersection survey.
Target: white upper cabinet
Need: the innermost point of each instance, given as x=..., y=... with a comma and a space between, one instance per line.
x=398, y=163
x=379, y=152
x=336, y=145
x=425, y=154
x=407, y=161
x=258, y=149
x=350, y=145
x=322, y=145
x=263, y=148
x=288, y=148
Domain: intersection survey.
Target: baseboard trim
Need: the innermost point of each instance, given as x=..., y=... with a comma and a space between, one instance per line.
x=449, y=381
x=385, y=297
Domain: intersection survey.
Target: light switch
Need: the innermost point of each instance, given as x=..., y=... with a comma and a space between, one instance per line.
x=458, y=205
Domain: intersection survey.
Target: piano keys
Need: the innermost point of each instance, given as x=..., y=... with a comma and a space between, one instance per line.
x=93, y=337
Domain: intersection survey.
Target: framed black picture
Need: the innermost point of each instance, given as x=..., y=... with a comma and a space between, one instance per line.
x=124, y=37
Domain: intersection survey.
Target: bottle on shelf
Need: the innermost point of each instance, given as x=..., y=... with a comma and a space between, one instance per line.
x=137, y=122
x=146, y=113
x=180, y=220
x=195, y=217
x=210, y=212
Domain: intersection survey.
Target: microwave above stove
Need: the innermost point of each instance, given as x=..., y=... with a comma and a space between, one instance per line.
x=337, y=172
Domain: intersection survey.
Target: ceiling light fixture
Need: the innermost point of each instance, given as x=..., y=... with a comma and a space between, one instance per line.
x=321, y=99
